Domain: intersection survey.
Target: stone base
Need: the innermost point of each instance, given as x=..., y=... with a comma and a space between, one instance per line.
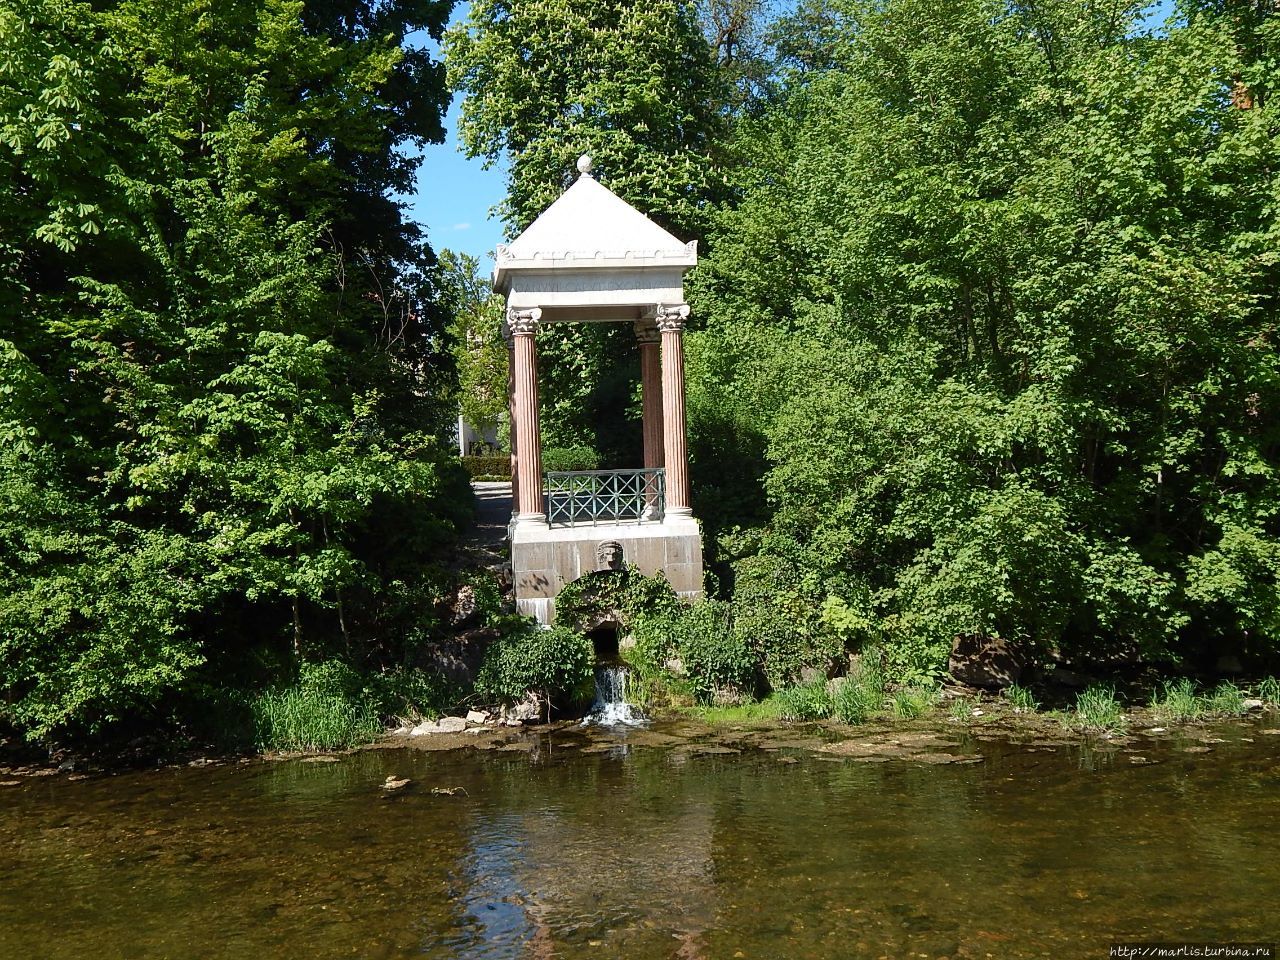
x=544, y=559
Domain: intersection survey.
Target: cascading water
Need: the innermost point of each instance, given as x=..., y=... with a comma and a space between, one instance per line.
x=611, y=707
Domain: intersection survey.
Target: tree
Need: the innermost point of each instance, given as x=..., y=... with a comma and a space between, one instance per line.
x=997, y=301
x=634, y=85
x=637, y=87
x=227, y=445
x=479, y=350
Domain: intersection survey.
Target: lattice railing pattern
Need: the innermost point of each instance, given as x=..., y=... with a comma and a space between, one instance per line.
x=578, y=497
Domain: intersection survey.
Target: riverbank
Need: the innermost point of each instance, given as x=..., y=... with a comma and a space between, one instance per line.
x=948, y=729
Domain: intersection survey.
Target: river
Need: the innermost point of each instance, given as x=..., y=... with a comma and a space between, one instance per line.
x=587, y=845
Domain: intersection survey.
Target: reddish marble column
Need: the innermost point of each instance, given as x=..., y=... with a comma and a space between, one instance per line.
x=651, y=405
x=675, y=451
x=511, y=416
x=528, y=445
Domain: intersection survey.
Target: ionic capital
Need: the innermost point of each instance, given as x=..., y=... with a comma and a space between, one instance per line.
x=671, y=319
x=523, y=323
x=647, y=332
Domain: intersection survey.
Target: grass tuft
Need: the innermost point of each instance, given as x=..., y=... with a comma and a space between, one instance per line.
x=303, y=718
x=1269, y=691
x=1177, y=702
x=1098, y=709
x=810, y=701
x=1225, y=700
x=961, y=710
x=910, y=702
x=1021, y=699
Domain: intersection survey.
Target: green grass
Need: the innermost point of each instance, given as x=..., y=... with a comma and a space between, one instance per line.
x=810, y=701
x=911, y=702
x=1225, y=700
x=961, y=711
x=1098, y=709
x=1269, y=691
x=299, y=718
x=1021, y=699
x=740, y=713
x=1177, y=702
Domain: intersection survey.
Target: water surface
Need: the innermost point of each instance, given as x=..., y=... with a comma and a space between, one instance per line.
x=648, y=853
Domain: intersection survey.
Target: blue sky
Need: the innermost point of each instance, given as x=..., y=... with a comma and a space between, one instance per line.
x=455, y=195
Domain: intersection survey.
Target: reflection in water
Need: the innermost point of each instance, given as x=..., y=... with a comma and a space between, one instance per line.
x=651, y=853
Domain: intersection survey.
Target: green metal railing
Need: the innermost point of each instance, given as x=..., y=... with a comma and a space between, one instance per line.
x=583, y=497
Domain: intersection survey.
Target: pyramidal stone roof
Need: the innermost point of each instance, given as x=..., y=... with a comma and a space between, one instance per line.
x=591, y=226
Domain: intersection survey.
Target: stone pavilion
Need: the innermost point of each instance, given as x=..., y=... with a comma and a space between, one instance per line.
x=593, y=258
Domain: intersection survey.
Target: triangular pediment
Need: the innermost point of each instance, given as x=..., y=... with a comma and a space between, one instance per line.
x=591, y=227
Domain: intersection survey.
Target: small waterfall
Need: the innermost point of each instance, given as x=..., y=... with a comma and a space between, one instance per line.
x=611, y=707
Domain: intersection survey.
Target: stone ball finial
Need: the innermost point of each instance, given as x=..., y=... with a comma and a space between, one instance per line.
x=584, y=165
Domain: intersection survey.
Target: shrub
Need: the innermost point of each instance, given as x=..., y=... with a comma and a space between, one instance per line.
x=779, y=614
x=412, y=694
x=478, y=467
x=715, y=656
x=554, y=662
x=570, y=458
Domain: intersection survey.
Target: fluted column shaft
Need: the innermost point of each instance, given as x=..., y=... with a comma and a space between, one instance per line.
x=651, y=406
x=651, y=392
x=671, y=322
x=524, y=326
x=511, y=418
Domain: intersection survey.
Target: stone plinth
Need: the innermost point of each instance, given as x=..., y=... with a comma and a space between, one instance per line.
x=545, y=559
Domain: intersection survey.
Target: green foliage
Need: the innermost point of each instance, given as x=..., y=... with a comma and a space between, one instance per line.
x=778, y=611
x=810, y=701
x=496, y=465
x=1003, y=337
x=1269, y=691
x=225, y=395
x=1225, y=700
x=479, y=350
x=570, y=458
x=1021, y=699
x=628, y=594
x=908, y=703
x=715, y=656
x=555, y=662
x=1177, y=702
x=633, y=85
x=328, y=708
x=1097, y=709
